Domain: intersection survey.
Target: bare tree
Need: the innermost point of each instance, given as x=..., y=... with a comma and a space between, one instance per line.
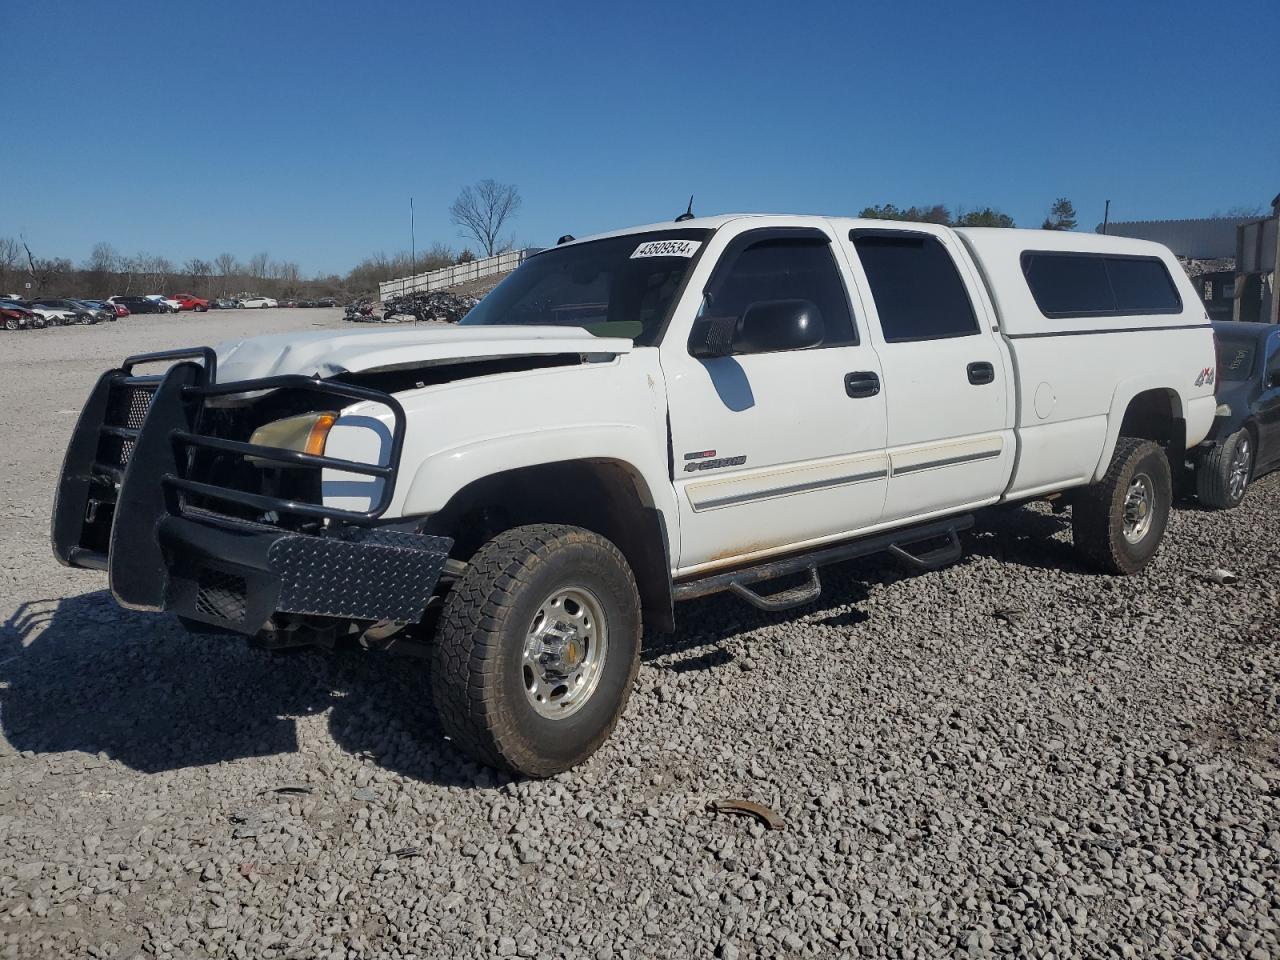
x=198, y=270
x=99, y=270
x=1241, y=211
x=259, y=266
x=102, y=258
x=10, y=258
x=226, y=265
x=289, y=274
x=483, y=210
x=44, y=272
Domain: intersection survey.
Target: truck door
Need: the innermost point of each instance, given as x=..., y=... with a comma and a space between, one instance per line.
x=946, y=378
x=773, y=447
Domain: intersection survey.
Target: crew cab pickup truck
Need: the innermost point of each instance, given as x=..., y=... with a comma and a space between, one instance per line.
x=633, y=419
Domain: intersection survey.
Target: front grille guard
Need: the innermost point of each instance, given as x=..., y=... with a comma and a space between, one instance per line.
x=120, y=424
x=192, y=439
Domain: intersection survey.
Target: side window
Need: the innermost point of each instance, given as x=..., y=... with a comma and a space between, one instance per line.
x=1094, y=285
x=1142, y=285
x=917, y=289
x=785, y=269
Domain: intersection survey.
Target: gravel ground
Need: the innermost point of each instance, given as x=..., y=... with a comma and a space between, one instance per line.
x=1012, y=756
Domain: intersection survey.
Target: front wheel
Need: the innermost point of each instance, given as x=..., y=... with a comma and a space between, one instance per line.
x=1224, y=472
x=1118, y=522
x=537, y=649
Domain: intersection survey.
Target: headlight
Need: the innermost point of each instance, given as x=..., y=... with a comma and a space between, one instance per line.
x=1222, y=411
x=305, y=433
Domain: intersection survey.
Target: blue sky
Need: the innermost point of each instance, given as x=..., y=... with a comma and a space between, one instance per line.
x=301, y=129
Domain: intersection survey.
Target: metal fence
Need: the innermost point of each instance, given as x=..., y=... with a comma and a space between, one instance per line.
x=452, y=276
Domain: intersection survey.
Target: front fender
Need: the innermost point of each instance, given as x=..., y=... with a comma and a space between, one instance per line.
x=447, y=471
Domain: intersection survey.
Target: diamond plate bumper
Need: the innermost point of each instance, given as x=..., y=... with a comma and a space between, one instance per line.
x=238, y=576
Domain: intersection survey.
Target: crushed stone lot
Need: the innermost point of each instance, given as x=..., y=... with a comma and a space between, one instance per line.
x=1010, y=757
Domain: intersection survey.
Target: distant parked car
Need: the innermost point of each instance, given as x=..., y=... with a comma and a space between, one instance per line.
x=142, y=304
x=258, y=302
x=102, y=312
x=326, y=302
x=189, y=301
x=1244, y=442
x=66, y=312
x=121, y=310
x=172, y=305
x=14, y=316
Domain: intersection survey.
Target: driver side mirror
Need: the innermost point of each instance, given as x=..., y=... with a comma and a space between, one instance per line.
x=767, y=326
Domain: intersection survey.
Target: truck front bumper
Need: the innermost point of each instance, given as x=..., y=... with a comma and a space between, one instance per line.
x=239, y=577
x=125, y=505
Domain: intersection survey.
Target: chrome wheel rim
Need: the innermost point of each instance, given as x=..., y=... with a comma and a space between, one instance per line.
x=1139, y=508
x=1238, y=478
x=564, y=652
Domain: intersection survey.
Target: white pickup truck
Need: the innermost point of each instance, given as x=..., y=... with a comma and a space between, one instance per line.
x=718, y=404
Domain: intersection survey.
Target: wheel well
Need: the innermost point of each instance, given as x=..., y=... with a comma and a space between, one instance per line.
x=1157, y=415
x=603, y=496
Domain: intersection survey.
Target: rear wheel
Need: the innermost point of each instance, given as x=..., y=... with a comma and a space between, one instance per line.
x=1224, y=471
x=10, y=323
x=1118, y=522
x=537, y=649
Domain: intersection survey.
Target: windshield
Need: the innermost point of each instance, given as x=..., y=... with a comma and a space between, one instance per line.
x=1235, y=359
x=618, y=287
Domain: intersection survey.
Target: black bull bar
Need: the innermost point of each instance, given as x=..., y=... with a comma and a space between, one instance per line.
x=123, y=505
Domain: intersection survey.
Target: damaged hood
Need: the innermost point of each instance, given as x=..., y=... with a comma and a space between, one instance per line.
x=327, y=353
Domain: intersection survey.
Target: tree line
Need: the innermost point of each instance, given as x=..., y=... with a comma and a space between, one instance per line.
x=1062, y=215
x=481, y=212
x=107, y=272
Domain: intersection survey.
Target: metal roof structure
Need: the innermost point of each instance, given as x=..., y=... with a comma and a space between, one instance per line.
x=1207, y=238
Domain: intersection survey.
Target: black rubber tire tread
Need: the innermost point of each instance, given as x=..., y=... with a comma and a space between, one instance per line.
x=1212, y=480
x=1097, y=511
x=469, y=636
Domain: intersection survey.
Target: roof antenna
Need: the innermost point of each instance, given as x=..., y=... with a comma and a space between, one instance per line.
x=688, y=213
x=567, y=238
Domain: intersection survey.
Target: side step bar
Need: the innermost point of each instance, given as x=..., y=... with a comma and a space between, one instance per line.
x=896, y=542
x=783, y=599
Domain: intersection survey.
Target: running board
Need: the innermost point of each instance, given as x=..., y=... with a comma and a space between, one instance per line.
x=895, y=542
x=783, y=599
x=934, y=559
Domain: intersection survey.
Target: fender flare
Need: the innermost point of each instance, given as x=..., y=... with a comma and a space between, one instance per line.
x=444, y=472
x=1124, y=394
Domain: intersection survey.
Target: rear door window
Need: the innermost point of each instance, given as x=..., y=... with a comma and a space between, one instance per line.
x=917, y=289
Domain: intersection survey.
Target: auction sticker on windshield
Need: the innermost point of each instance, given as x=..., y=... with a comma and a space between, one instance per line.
x=667, y=248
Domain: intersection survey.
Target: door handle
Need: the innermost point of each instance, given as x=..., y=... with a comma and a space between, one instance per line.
x=981, y=373
x=864, y=383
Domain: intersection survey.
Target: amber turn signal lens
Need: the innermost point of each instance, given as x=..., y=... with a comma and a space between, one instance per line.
x=306, y=433
x=319, y=433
